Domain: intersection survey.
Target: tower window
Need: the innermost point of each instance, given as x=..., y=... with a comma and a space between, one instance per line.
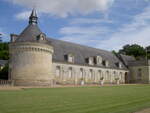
x=41, y=37
x=81, y=73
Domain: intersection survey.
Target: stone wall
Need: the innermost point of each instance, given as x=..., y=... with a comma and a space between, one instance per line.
x=74, y=74
x=140, y=74
x=31, y=64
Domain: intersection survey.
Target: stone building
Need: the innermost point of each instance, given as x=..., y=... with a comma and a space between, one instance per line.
x=37, y=60
x=140, y=71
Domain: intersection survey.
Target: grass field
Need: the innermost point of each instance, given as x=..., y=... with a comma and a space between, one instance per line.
x=108, y=99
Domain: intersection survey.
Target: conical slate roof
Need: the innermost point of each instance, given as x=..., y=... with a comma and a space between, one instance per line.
x=29, y=34
x=32, y=31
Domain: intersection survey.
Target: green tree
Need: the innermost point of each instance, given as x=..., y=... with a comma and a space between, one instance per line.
x=148, y=52
x=133, y=50
x=4, y=55
x=114, y=52
x=4, y=52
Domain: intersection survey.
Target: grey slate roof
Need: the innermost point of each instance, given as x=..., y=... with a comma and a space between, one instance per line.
x=138, y=63
x=32, y=31
x=126, y=59
x=61, y=48
x=29, y=34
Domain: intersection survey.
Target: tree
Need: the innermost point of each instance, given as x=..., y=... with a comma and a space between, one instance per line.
x=4, y=52
x=133, y=50
x=148, y=52
x=114, y=52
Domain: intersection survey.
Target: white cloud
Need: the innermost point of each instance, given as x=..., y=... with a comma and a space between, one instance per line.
x=63, y=8
x=84, y=31
x=5, y=36
x=80, y=39
x=89, y=21
x=23, y=15
x=136, y=32
x=84, y=35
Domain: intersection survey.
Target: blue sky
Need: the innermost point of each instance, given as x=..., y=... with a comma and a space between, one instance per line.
x=105, y=24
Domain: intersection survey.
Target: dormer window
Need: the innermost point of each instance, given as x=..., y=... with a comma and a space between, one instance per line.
x=41, y=37
x=13, y=37
x=90, y=60
x=98, y=60
x=119, y=65
x=70, y=58
x=106, y=63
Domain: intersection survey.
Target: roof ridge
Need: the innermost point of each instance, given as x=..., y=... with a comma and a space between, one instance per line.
x=79, y=44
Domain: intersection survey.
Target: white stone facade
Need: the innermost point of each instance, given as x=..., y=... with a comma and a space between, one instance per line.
x=140, y=74
x=74, y=74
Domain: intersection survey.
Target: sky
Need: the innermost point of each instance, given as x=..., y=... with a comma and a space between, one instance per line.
x=104, y=24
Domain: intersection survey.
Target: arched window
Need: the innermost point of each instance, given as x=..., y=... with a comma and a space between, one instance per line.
x=93, y=76
x=99, y=74
x=81, y=73
x=139, y=74
x=58, y=71
x=90, y=74
x=126, y=77
x=121, y=76
x=107, y=75
x=70, y=73
x=114, y=75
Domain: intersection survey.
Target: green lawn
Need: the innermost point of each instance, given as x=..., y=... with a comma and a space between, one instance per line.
x=113, y=99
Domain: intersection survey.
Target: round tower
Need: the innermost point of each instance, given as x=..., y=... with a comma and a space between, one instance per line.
x=31, y=56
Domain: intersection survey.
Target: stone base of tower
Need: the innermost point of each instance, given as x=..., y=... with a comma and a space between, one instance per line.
x=49, y=83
